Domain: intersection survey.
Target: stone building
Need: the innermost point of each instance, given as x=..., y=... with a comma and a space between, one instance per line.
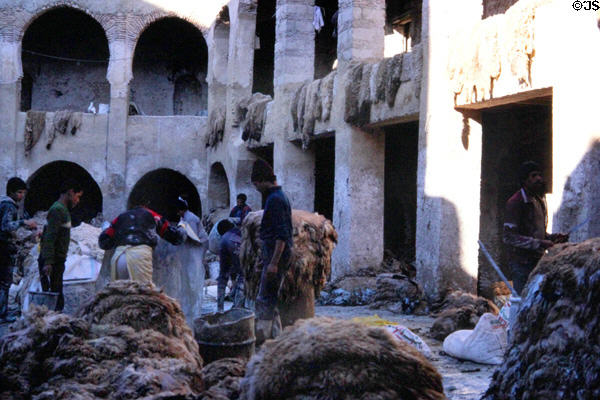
x=401, y=120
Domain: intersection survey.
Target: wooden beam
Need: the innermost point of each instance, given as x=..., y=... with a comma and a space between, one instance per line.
x=523, y=97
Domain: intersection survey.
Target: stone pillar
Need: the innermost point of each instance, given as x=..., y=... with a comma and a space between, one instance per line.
x=448, y=176
x=119, y=75
x=218, y=51
x=10, y=75
x=242, y=14
x=359, y=155
x=294, y=65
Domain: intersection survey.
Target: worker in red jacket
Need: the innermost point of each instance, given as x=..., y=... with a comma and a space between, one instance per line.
x=134, y=234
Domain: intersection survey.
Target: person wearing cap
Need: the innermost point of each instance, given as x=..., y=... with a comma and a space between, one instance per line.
x=276, y=235
x=525, y=222
x=134, y=234
x=192, y=256
x=241, y=209
x=16, y=189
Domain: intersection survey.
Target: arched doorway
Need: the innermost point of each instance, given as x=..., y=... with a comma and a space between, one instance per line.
x=44, y=190
x=169, y=69
x=160, y=188
x=218, y=187
x=65, y=56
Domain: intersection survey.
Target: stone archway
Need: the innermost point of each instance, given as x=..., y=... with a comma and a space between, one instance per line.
x=160, y=188
x=218, y=187
x=44, y=190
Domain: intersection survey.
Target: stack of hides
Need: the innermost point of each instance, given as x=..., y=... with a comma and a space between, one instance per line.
x=459, y=310
x=553, y=352
x=222, y=378
x=326, y=358
x=128, y=342
x=314, y=239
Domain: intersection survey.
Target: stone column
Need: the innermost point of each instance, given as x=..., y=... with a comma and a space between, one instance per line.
x=294, y=65
x=10, y=75
x=359, y=155
x=242, y=14
x=119, y=75
x=218, y=51
x=448, y=176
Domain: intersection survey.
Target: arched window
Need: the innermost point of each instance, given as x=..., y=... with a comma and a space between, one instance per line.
x=169, y=69
x=65, y=55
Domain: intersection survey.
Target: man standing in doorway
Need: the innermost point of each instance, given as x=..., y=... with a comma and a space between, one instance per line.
x=9, y=223
x=55, y=240
x=241, y=209
x=276, y=234
x=525, y=222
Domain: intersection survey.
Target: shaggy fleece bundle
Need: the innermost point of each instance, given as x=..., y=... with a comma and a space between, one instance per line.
x=216, y=126
x=314, y=239
x=459, y=310
x=251, y=113
x=326, y=358
x=129, y=342
x=222, y=378
x=554, y=349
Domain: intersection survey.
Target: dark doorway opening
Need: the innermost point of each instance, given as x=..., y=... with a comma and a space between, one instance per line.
x=324, y=149
x=218, y=187
x=400, y=189
x=44, y=190
x=326, y=38
x=512, y=134
x=65, y=55
x=169, y=69
x=264, y=48
x=403, y=18
x=160, y=188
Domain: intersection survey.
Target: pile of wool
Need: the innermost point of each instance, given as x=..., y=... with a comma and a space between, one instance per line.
x=349, y=291
x=397, y=293
x=327, y=358
x=131, y=341
x=553, y=352
x=222, y=378
x=314, y=239
x=459, y=310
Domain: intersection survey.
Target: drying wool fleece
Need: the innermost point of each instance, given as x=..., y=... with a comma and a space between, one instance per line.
x=326, y=358
x=222, y=378
x=252, y=114
x=553, y=352
x=63, y=122
x=459, y=310
x=129, y=342
x=34, y=127
x=314, y=239
x=216, y=124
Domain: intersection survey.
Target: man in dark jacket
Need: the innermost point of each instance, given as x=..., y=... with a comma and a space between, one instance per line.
x=9, y=223
x=55, y=240
x=134, y=234
x=241, y=209
x=276, y=235
x=525, y=222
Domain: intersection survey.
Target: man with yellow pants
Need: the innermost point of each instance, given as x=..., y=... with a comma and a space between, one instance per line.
x=134, y=234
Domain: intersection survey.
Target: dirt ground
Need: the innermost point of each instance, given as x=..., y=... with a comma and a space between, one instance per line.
x=463, y=380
